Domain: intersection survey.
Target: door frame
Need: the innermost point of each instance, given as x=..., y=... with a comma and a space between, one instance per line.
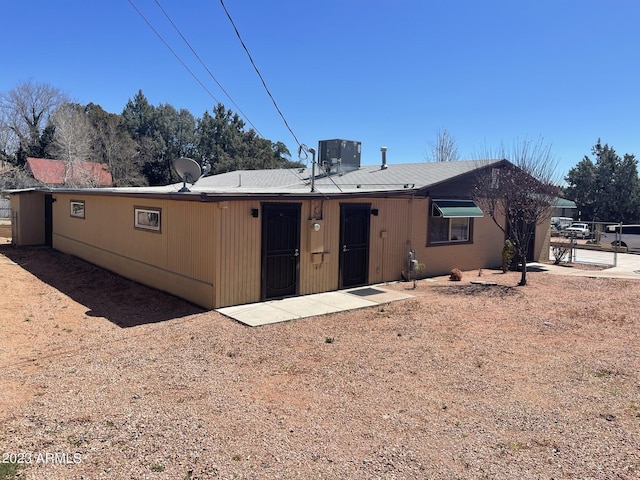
x=269, y=209
x=344, y=208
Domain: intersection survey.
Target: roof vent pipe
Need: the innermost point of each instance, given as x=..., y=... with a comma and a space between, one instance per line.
x=384, y=158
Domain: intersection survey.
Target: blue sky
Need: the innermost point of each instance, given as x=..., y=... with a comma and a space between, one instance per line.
x=383, y=72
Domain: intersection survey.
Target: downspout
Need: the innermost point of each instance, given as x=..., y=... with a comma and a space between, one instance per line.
x=411, y=221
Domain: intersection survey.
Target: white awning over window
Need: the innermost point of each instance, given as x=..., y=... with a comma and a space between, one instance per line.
x=457, y=208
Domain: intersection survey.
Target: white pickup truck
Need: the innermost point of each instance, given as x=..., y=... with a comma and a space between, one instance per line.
x=577, y=230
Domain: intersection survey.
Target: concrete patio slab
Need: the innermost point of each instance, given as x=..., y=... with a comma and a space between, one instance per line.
x=286, y=309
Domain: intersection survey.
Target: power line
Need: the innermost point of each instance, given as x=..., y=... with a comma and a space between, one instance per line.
x=206, y=68
x=172, y=51
x=259, y=74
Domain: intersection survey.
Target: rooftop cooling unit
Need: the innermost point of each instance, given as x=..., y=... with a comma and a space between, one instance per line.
x=338, y=156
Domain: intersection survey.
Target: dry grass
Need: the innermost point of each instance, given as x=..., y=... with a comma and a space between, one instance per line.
x=461, y=381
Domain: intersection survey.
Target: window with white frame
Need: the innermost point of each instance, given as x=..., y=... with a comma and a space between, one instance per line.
x=147, y=218
x=76, y=208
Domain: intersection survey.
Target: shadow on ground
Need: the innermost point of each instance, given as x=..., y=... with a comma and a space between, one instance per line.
x=105, y=294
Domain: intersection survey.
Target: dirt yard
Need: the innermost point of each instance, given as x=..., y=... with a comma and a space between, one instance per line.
x=103, y=378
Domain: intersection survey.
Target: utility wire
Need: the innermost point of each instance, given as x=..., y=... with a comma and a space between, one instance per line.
x=206, y=68
x=172, y=51
x=259, y=74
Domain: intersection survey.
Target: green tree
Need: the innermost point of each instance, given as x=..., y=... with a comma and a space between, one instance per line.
x=138, y=119
x=174, y=137
x=140, y=145
x=607, y=190
x=224, y=143
x=219, y=137
x=628, y=190
x=162, y=135
x=581, y=187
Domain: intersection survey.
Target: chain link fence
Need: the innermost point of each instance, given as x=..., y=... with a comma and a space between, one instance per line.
x=5, y=208
x=597, y=243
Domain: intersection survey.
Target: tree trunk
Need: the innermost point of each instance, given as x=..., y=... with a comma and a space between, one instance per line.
x=523, y=259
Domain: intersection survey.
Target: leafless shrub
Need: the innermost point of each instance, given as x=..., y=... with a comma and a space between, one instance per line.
x=559, y=253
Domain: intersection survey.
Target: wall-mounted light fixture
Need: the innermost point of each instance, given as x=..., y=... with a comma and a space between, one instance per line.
x=254, y=212
x=315, y=226
x=374, y=212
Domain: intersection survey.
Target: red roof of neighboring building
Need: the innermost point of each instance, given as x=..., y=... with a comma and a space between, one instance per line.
x=56, y=172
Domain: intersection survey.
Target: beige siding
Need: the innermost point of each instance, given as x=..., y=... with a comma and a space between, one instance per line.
x=179, y=259
x=323, y=276
x=390, y=238
x=543, y=241
x=484, y=252
x=239, y=256
x=210, y=253
x=238, y=251
x=28, y=218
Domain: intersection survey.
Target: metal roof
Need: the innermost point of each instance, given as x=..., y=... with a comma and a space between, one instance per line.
x=54, y=172
x=368, y=180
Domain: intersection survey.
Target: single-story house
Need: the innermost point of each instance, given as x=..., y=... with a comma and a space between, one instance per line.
x=58, y=172
x=248, y=236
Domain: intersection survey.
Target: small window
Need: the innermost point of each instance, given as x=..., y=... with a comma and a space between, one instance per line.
x=459, y=229
x=77, y=208
x=451, y=221
x=449, y=230
x=147, y=218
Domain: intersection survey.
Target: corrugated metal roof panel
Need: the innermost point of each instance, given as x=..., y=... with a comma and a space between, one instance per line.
x=370, y=178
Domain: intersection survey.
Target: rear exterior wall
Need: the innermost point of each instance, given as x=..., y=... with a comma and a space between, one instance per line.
x=210, y=252
x=238, y=278
x=178, y=259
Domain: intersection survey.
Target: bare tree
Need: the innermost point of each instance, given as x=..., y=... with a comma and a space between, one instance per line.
x=444, y=149
x=5, y=139
x=72, y=143
x=519, y=195
x=25, y=112
x=114, y=146
x=118, y=150
x=16, y=177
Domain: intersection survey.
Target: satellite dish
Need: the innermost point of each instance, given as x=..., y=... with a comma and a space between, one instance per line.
x=188, y=170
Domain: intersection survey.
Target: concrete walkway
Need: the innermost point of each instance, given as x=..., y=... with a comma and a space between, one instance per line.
x=275, y=311
x=627, y=265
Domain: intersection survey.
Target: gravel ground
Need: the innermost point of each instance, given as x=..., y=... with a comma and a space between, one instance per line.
x=104, y=378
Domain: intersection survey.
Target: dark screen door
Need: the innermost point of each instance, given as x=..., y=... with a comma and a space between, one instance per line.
x=280, y=249
x=354, y=244
x=48, y=219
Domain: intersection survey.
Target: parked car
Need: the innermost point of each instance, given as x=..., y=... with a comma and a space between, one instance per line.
x=560, y=223
x=577, y=230
x=627, y=236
